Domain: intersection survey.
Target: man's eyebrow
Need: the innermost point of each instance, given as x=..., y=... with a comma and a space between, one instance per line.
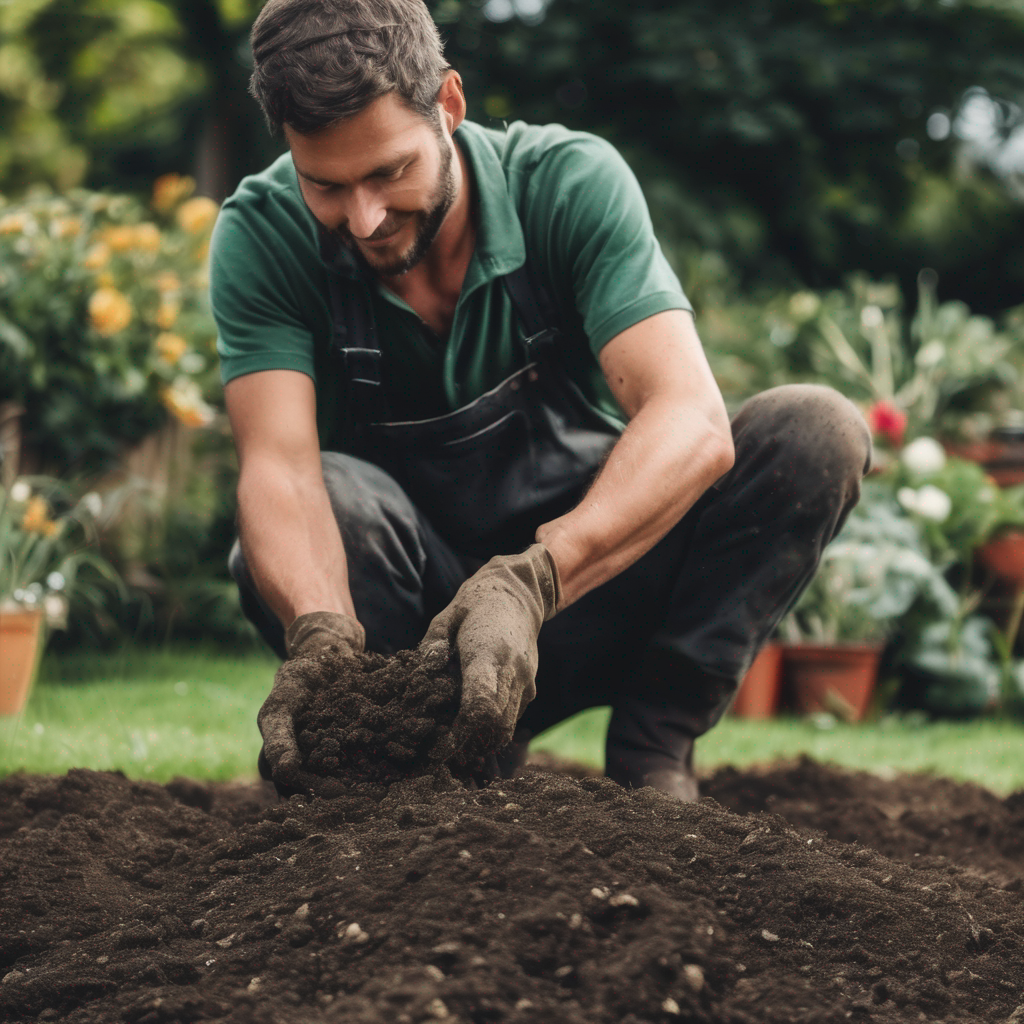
x=389, y=168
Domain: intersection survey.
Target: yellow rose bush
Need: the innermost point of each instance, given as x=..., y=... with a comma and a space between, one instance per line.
x=105, y=325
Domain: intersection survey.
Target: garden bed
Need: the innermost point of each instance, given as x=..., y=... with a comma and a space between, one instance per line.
x=541, y=898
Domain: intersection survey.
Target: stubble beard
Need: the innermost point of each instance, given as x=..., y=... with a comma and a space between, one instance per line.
x=429, y=223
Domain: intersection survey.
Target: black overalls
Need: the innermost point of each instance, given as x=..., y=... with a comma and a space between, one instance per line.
x=420, y=505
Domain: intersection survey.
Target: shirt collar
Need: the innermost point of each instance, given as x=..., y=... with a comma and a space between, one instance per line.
x=500, y=246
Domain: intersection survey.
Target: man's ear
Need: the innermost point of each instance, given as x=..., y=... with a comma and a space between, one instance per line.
x=452, y=101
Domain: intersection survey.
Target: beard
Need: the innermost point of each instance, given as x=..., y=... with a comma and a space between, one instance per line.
x=428, y=224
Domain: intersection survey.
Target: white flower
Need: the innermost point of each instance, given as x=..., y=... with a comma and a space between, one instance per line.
x=55, y=607
x=931, y=354
x=929, y=502
x=804, y=305
x=55, y=581
x=872, y=316
x=924, y=456
x=134, y=381
x=20, y=491
x=192, y=362
x=907, y=497
x=93, y=504
x=934, y=503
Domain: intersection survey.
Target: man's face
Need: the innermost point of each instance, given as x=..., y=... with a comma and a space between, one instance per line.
x=381, y=181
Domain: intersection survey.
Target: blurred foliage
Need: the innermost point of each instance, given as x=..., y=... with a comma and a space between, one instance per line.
x=798, y=138
x=105, y=327
x=116, y=92
x=939, y=367
x=790, y=135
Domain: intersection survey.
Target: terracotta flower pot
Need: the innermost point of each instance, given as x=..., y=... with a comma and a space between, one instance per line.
x=20, y=643
x=758, y=695
x=1005, y=556
x=838, y=679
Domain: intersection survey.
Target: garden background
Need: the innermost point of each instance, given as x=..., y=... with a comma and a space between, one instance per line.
x=839, y=183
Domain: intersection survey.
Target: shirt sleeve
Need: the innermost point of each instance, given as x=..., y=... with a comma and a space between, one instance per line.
x=600, y=241
x=259, y=322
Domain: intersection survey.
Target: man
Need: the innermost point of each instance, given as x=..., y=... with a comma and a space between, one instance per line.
x=431, y=336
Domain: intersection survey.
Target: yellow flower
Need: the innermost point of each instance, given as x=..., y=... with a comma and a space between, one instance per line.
x=98, y=256
x=185, y=401
x=120, y=237
x=167, y=281
x=169, y=190
x=147, y=237
x=37, y=517
x=110, y=311
x=166, y=315
x=13, y=224
x=63, y=227
x=197, y=215
x=170, y=347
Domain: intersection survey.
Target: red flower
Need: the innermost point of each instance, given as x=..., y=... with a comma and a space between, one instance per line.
x=888, y=420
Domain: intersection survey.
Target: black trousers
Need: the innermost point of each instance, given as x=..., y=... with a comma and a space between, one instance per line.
x=667, y=641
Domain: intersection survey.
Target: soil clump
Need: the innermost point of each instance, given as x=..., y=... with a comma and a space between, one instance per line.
x=377, y=719
x=538, y=898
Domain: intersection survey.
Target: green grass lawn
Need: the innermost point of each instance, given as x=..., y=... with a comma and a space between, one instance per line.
x=156, y=714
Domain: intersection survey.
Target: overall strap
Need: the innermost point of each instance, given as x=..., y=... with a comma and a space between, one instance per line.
x=354, y=344
x=537, y=314
x=354, y=337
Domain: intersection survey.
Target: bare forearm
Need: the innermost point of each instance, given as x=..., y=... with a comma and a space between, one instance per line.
x=665, y=460
x=291, y=543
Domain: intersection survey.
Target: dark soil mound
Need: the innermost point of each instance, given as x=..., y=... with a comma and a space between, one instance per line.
x=376, y=719
x=913, y=817
x=540, y=898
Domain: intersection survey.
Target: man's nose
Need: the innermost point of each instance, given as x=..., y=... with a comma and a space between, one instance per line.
x=364, y=212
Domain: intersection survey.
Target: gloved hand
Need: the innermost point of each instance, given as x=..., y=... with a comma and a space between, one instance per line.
x=306, y=640
x=491, y=628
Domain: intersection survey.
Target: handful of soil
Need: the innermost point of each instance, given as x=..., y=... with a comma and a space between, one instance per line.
x=376, y=719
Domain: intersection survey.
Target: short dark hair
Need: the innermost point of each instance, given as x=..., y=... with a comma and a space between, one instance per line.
x=318, y=61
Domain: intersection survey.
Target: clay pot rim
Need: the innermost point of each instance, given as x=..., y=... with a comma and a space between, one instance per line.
x=852, y=646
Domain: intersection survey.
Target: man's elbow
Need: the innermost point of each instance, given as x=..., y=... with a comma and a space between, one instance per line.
x=725, y=454
x=720, y=452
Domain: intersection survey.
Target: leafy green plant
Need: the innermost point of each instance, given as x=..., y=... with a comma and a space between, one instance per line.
x=956, y=665
x=48, y=550
x=871, y=578
x=105, y=328
x=934, y=371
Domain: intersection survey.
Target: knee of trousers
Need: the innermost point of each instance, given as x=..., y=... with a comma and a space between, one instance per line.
x=817, y=437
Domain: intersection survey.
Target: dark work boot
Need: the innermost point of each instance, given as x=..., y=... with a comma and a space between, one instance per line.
x=634, y=767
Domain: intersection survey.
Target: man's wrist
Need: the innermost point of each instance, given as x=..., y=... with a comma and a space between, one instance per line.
x=314, y=630
x=566, y=559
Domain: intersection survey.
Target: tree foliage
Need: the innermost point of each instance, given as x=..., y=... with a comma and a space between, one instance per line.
x=792, y=136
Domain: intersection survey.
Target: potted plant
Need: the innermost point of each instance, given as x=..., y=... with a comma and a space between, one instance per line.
x=47, y=561
x=873, y=576
x=1003, y=552
x=758, y=695
x=953, y=667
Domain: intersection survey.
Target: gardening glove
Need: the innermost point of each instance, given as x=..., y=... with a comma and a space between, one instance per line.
x=491, y=629
x=306, y=640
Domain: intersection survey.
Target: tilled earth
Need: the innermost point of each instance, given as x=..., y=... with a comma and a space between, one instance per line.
x=798, y=893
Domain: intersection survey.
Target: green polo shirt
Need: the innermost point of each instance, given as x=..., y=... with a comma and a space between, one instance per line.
x=566, y=201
